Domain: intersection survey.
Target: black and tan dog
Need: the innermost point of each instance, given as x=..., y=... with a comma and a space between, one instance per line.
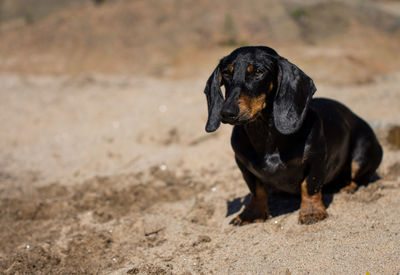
x=284, y=140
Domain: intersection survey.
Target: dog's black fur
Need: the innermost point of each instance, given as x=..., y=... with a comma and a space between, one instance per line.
x=283, y=139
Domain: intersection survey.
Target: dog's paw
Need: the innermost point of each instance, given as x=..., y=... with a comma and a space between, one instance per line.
x=350, y=188
x=247, y=217
x=310, y=215
x=237, y=221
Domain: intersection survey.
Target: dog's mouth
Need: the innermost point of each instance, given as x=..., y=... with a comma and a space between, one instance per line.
x=241, y=119
x=232, y=121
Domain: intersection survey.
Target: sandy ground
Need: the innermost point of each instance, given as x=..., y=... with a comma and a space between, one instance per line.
x=97, y=178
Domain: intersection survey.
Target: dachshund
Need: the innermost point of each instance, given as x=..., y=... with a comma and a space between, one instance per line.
x=283, y=139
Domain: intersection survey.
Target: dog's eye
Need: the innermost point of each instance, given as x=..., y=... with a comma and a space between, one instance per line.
x=258, y=72
x=226, y=73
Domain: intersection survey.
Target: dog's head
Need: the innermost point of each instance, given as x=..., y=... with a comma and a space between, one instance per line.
x=254, y=78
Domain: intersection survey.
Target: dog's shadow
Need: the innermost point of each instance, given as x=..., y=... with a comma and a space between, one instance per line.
x=281, y=203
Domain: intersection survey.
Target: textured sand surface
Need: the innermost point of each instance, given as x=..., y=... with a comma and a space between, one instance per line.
x=116, y=175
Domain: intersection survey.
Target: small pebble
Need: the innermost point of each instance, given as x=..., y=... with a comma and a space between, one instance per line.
x=28, y=246
x=163, y=167
x=214, y=189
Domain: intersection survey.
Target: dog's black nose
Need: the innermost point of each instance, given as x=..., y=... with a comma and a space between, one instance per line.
x=229, y=113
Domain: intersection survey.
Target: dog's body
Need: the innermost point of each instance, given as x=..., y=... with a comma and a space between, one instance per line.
x=284, y=140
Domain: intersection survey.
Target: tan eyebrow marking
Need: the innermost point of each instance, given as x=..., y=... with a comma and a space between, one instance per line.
x=230, y=68
x=250, y=68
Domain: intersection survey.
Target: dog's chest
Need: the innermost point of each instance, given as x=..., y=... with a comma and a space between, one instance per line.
x=276, y=167
x=270, y=164
x=283, y=173
x=269, y=159
x=259, y=151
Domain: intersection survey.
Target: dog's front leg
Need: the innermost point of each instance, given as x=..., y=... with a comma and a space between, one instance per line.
x=312, y=209
x=257, y=209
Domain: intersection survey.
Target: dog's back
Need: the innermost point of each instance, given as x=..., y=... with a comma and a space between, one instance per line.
x=344, y=130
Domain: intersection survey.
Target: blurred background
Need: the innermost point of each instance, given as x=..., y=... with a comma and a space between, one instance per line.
x=105, y=167
x=174, y=38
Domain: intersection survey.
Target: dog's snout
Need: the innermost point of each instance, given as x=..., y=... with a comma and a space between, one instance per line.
x=229, y=113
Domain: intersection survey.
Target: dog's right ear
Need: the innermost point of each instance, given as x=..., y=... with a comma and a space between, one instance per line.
x=214, y=100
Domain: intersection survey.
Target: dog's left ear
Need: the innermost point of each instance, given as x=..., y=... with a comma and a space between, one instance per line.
x=214, y=100
x=292, y=98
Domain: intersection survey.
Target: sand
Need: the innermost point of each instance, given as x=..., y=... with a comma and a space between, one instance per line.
x=116, y=175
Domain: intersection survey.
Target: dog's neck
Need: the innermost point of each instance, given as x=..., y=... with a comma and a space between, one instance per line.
x=263, y=134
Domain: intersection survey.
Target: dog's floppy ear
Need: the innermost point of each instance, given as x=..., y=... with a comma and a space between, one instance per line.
x=292, y=98
x=214, y=100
